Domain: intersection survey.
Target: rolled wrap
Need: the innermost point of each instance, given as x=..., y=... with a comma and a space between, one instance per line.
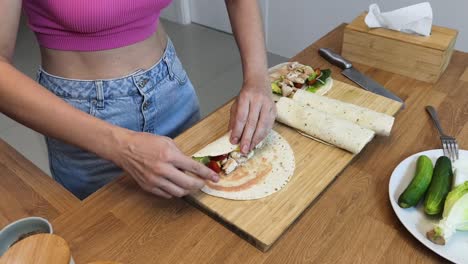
x=378, y=122
x=336, y=131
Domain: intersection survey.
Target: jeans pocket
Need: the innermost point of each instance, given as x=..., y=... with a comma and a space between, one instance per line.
x=123, y=112
x=80, y=104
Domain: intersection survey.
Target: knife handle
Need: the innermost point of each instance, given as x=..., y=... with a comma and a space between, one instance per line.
x=334, y=58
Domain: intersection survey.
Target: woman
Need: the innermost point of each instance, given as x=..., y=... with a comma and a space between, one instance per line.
x=111, y=91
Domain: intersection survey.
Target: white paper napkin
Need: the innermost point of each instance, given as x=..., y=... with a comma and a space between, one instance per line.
x=415, y=19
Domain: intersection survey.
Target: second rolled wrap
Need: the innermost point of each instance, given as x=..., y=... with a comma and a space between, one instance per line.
x=378, y=122
x=324, y=126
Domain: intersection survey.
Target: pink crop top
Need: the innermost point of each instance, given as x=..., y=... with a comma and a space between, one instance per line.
x=90, y=25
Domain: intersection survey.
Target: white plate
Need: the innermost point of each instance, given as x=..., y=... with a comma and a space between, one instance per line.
x=414, y=219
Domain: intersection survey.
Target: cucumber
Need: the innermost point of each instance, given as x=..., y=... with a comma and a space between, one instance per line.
x=418, y=185
x=440, y=186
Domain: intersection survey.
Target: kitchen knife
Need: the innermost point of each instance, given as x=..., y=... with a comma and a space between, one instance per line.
x=355, y=76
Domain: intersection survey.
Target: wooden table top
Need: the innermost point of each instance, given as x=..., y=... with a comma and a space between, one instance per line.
x=352, y=220
x=27, y=191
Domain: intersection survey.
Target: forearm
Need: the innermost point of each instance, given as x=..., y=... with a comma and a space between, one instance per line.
x=32, y=105
x=247, y=27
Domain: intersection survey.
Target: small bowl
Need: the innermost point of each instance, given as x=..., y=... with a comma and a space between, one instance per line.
x=22, y=228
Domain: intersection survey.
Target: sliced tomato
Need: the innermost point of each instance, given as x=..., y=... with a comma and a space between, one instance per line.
x=214, y=166
x=317, y=71
x=219, y=158
x=310, y=82
x=298, y=85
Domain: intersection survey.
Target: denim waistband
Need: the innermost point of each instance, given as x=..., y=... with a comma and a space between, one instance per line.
x=140, y=81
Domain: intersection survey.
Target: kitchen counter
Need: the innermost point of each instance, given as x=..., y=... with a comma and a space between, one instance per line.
x=27, y=191
x=352, y=220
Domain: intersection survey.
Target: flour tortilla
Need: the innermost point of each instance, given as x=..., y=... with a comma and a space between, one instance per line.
x=281, y=67
x=329, y=128
x=218, y=147
x=267, y=172
x=378, y=122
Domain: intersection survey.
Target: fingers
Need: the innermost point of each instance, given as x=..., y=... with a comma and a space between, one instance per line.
x=240, y=118
x=170, y=182
x=156, y=168
x=161, y=193
x=267, y=113
x=183, y=180
x=187, y=164
x=232, y=119
x=250, y=127
x=171, y=188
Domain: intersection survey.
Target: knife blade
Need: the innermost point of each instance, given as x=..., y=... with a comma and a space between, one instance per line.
x=354, y=75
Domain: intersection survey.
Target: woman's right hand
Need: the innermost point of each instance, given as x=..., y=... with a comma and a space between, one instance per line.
x=159, y=167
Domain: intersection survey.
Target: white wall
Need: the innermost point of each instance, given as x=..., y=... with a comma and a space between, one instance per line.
x=295, y=24
x=178, y=11
x=292, y=25
x=210, y=13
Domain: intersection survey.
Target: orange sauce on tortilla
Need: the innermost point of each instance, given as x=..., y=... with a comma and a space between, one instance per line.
x=263, y=168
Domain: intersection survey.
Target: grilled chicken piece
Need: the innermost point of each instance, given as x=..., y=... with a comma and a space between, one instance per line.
x=304, y=76
x=286, y=89
x=295, y=77
x=235, y=154
x=230, y=165
x=292, y=74
x=241, y=158
x=236, y=159
x=293, y=65
x=308, y=70
x=224, y=161
x=298, y=80
x=288, y=82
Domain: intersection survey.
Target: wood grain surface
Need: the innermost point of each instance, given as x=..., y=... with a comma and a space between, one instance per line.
x=350, y=222
x=104, y=262
x=418, y=57
x=27, y=191
x=440, y=39
x=38, y=249
x=263, y=221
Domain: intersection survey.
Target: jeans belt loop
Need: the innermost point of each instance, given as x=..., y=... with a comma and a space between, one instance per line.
x=169, y=66
x=38, y=74
x=99, y=95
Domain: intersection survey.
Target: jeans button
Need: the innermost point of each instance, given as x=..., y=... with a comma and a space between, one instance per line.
x=145, y=106
x=142, y=83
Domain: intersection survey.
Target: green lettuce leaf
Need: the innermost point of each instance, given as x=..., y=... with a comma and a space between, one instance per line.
x=455, y=215
x=321, y=80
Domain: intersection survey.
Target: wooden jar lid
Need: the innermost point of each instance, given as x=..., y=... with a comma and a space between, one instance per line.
x=38, y=249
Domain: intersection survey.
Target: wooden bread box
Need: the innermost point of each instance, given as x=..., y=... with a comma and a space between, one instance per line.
x=418, y=57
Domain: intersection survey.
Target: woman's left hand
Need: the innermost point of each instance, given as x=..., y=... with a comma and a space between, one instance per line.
x=252, y=114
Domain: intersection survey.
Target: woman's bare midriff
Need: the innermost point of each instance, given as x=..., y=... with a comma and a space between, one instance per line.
x=105, y=64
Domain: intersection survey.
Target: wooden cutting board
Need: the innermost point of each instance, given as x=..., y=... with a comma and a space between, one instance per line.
x=263, y=221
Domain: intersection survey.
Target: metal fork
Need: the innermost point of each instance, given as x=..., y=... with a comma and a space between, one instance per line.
x=449, y=144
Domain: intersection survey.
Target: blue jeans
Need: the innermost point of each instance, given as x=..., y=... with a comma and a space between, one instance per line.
x=160, y=100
